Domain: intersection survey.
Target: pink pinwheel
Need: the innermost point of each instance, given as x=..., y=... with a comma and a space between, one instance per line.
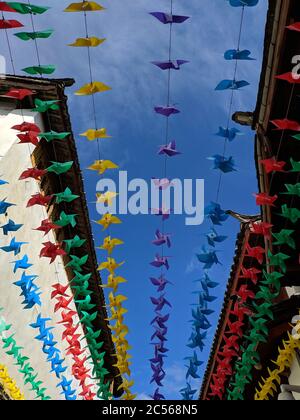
x=169, y=149
x=165, y=213
x=162, y=184
x=162, y=239
x=160, y=261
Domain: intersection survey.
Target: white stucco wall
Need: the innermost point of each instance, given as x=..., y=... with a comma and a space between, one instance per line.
x=15, y=158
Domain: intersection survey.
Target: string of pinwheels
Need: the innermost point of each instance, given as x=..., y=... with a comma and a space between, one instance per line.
x=11, y=347
x=119, y=329
x=10, y=385
x=162, y=239
x=216, y=215
x=51, y=250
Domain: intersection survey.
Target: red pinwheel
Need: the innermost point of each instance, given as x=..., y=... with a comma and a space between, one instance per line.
x=216, y=391
x=39, y=200
x=32, y=173
x=231, y=342
x=29, y=137
x=224, y=370
x=19, y=94
x=63, y=303
x=235, y=328
x=26, y=126
x=261, y=228
x=294, y=27
x=86, y=392
x=224, y=364
x=4, y=7
x=79, y=362
x=52, y=251
x=250, y=273
x=59, y=290
x=263, y=199
x=289, y=77
x=70, y=330
x=244, y=293
x=240, y=311
x=46, y=226
x=67, y=317
x=286, y=124
x=272, y=165
x=257, y=252
x=10, y=24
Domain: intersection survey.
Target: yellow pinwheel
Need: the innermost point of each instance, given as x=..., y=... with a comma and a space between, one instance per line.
x=113, y=282
x=84, y=6
x=110, y=243
x=92, y=88
x=117, y=314
x=121, y=342
x=126, y=385
x=102, y=166
x=91, y=134
x=119, y=328
x=116, y=302
x=110, y=265
x=123, y=368
x=107, y=220
x=128, y=396
x=106, y=198
x=92, y=41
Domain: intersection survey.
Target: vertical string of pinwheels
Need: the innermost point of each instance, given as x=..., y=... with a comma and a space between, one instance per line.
x=12, y=349
x=162, y=239
x=10, y=385
x=275, y=269
x=214, y=212
x=119, y=330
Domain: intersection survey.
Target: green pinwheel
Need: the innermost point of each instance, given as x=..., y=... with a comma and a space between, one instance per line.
x=27, y=36
x=81, y=278
x=85, y=304
x=273, y=279
x=66, y=196
x=260, y=325
x=82, y=290
x=255, y=336
x=76, y=263
x=292, y=214
x=292, y=189
x=3, y=326
x=26, y=370
x=66, y=219
x=60, y=168
x=92, y=335
x=297, y=137
x=263, y=309
x=266, y=294
x=284, y=238
x=42, y=69
x=75, y=242
x=26, y=9
x=235, y=394
x=278, y=260
x=44, y=106
x=9, y=341
x=21, y=360
x=295, y=165
x=53, y=135
x=87, y=319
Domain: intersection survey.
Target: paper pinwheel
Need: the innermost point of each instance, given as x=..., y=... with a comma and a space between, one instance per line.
x=161, y=261
x=5, y=7
x=106, y=198
x=66, y=219
x=53, y=135
x=162, y=239
x=167, y=65
x=52, y=251
x=215, y=213
x=272, y=165
x=263, y=199
x=28, y=36
x=25, y=9
x=96, y=134
x=243, y=3
x=166, y=18
x=22, y=263
x=238, y=55
x=256, y=252
x=43, y=69
x=11, y=226
x=197, y=340
x=39, y=199
x=166, y=111
x=229, y=134
x=26, y=126
x=29, y=137
x=87, y=42
x=273, y=279
x=110, y=243
x=286, y=124
x=4, y=206
x=44, y=106
x=160, y=303
x=223, y=164
x=250, y=273
x=84, y=6
x=232, y=84
x=29, y=291
x=10, y=24
x=213, y=237
x=292, y=189
x=107, y=220
x=244, y=293
x=75, y=242
x=292, y=214
x=14, y=246
x=289, y=77
x=65, y=196
x=278, y=260
x=77, y=263
x=60, y=168
x=294, y=27
x=188, y=393
x=284, y=238
x=169, y=149
x=47, y=226
x=102, y=166
x=92, y=88
x=110, y=265
x=113, y=282
x=18, y=94
x=261, y=228
x=160, y=282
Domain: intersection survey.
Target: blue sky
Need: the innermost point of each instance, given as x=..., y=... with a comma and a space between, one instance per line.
x=134, y=39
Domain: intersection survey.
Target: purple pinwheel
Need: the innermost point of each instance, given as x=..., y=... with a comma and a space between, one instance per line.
x=160, y=261
x=169, y=149
x=158, y=374
x=160, y=333
x=157, y=396
x=162, y=239
x=160, y=320
x=168, y=65
x=158, y=358
x=160, y=283
x=165, y=213
x=163, y=183
x=160, y=302
x=166, y=18
x=159, y=348
x=166, y=111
